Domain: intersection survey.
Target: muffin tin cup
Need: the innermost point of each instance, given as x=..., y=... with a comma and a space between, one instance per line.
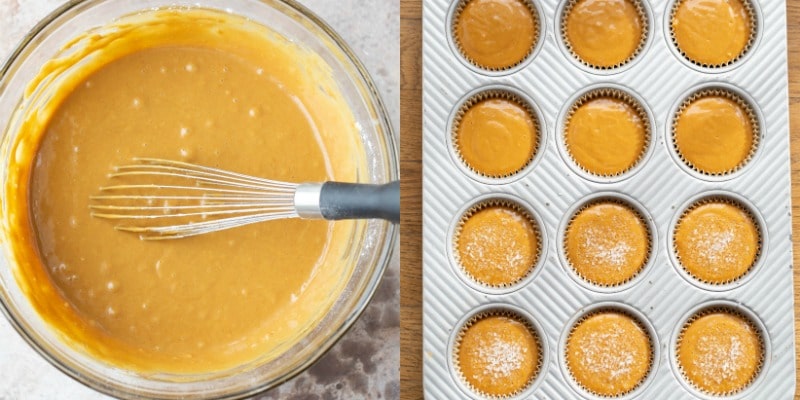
x=498, y=199
x=757, y=26
x=489, y=92
x=733, y=199
x=736, y=308
x=617, y=198
x=645, y=13
x=541, y=25
x=605, y=90
x=733, y=93
x=643, y=322
x=487, y=310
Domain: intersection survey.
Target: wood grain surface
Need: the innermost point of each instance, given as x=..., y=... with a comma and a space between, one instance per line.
x=411, y=199
x=411, y=186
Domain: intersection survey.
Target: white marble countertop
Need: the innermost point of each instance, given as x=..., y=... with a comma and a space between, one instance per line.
x=365, y=362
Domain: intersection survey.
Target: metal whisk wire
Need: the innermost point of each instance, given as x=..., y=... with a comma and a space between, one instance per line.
x=188, y=199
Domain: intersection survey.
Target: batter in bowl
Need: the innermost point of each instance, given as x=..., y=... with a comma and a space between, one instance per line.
x=198, y=86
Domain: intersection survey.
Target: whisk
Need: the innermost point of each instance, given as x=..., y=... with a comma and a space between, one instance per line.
x=165, y=199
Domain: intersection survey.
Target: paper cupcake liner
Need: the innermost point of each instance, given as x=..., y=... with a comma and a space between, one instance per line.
x=731, y=202
x=536, y=38
x=488, y=95
x=627, y=206
x=497, y=313
x=639, y=49
x=747, y=47
x=727, y=310
x=614, y=94
x=497, y=203
x=639, y=323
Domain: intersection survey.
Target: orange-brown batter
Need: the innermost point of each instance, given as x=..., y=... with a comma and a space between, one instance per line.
x=609, y=354
x=717, y=242
x=497, y=137
x=498, y=355
x=498, y=245
x=720, y=353
x=208, y=88
x=604, y=33
x=496, y=34
x=607, y=243
x=714, y=134
x=606, y=136
x=711, y=32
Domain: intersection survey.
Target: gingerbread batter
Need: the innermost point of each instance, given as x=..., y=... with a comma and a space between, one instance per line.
x=207, y=88
x=712, y=32
x=499, y=355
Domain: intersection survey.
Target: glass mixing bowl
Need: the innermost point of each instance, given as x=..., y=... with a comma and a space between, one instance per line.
x=370, y=251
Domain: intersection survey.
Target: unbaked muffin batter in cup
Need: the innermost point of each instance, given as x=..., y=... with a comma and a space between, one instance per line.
x=712, y=32
x=609, y=353
x=497, y=243
x=498, y=354
x=720, y=352
x=717, y=241
x=607, y=243
x=496, y=134
x=495, y=34
x=715, y=132
x=606, y=132
x=604, y=33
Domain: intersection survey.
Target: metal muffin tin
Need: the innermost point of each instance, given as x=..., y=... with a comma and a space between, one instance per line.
x=665, y=296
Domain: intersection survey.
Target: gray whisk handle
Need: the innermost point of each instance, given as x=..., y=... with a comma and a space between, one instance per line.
x=355, y=200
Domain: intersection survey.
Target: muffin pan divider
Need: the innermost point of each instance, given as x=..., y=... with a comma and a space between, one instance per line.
x=661, y=185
